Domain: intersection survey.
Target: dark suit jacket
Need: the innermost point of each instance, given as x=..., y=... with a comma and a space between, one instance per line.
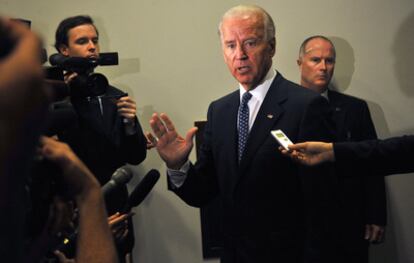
x=362, y=199
x=390, y=156
x=101, y=143
x=263, y=196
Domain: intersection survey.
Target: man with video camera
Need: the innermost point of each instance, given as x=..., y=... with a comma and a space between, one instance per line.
x=107, y=133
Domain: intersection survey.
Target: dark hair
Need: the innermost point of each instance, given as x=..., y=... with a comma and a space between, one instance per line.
x=61, y=36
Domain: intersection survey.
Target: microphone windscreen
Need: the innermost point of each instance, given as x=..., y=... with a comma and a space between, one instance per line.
x=143, y=188
x=119, y=178
x=122, y=175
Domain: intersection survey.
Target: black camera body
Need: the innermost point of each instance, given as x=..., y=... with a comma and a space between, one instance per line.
x=87, y=83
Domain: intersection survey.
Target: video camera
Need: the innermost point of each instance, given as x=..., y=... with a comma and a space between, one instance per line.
x=87, y=83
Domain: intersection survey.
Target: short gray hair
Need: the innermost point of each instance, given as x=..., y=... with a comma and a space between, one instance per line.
x=302, y=49
x=241, y=10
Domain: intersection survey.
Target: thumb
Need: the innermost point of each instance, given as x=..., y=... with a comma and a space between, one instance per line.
x=297, y=146
x=190, y=135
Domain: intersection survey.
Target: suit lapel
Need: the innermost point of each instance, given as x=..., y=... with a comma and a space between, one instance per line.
x=270, y=111
x=229, y=123
x=338, y=114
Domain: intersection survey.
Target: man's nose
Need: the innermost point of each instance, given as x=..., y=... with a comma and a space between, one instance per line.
x=323, y=65
x=91, y=45
x=240, y=52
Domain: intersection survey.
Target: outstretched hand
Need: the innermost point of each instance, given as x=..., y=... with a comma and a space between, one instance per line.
x=172, y=148
x=310, y=153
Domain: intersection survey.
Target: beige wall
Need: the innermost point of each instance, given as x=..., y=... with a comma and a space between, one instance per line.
x=170, y=61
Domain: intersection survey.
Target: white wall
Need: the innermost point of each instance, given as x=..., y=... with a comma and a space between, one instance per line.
x=170, y=61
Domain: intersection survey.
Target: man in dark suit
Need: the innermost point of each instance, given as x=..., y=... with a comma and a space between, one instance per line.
x=362, y=199
x=106, y=134
x=394, y=155
x=267, y=203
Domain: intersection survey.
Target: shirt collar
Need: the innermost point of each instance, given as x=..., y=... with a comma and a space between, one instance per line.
x=260, y=91
x=325, y=94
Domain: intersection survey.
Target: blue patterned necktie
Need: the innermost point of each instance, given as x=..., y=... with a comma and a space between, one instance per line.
x=243, y=122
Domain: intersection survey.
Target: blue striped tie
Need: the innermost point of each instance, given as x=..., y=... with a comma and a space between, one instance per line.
x=243, y=122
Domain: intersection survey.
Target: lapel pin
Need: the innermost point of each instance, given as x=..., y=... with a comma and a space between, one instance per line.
x=337, y=109
x=269, y=116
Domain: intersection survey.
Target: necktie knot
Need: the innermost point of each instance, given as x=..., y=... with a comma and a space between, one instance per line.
x=245, y=98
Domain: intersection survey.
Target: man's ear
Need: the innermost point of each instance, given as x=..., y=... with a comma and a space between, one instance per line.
x=64, y=50
x=272, y=44
x=299, y=62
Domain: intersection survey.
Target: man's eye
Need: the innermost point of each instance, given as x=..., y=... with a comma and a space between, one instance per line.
x=231, y=45
x=316, y=60
x=81, y=41
x=330, y=61
x=251, y=43
x=95, y=40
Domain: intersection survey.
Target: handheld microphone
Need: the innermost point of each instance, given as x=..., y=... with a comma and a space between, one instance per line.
x=142, y=189
x=120, y=177
x=137, y=196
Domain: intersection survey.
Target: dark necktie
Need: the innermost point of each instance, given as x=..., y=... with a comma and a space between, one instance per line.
x=243, y=122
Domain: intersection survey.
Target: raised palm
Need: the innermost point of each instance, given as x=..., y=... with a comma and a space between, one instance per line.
x=172, y=148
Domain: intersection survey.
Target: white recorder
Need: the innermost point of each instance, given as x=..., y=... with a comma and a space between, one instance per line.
x=281, y=138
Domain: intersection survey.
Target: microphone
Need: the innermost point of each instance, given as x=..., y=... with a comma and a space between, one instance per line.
x=120, y=177
x=142, y=190
x=136, y=197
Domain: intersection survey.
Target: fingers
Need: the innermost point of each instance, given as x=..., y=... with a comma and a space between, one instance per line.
x=374, y=233
x=48, y=148
x=70, y=76
x=62, y=258
x=120, y=233
x=168, y=123
x=126, y=102
x=119, y=226
x=112, y=217
x=157, y=126
x=118, y=219
x=57, y=151
x=151, y=140
x=126, y=107
x=298, y=146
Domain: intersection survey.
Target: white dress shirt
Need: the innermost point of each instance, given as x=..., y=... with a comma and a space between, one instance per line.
x=177, y=177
